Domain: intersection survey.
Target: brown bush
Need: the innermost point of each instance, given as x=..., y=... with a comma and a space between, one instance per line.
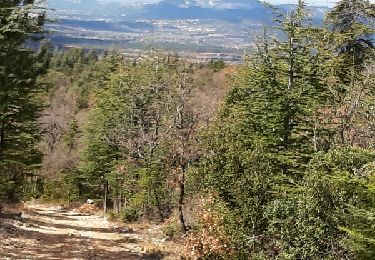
x=210, y=241
x=88, y=208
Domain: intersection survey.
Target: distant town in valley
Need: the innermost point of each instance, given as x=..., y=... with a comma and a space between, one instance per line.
x=197, y=30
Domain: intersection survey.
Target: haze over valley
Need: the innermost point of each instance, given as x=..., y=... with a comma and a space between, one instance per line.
x=204, y=29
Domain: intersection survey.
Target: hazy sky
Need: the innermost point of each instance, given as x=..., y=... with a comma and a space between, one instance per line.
x=310, y=2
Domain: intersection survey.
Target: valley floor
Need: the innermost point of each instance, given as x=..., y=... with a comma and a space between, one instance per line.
x=46, y=232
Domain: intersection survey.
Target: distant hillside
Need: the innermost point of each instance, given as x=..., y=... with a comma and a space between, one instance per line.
x=167, y=10
x=227, y=10
x=101, y=25
x=182, y=25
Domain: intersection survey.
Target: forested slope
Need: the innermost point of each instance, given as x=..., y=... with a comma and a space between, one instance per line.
x=273, y=159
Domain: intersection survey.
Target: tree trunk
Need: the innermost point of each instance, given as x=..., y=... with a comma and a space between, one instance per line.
x=115, y=204
x=11, y=195
x=120, y=202
x=159, y=208
x=181, y=200
x=105, y=197
x=2, y=137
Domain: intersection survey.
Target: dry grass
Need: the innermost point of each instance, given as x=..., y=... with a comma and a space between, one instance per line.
x=13, y=207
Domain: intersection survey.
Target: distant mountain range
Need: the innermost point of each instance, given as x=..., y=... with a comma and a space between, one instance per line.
x=176, y=25
x=226, y=10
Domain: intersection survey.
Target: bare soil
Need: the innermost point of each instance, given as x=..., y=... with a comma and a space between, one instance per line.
x=49, y=232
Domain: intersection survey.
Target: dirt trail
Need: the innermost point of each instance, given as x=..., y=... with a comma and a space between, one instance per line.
x=50, y=233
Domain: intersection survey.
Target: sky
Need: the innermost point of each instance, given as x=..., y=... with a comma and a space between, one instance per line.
x=329, y=3
x=309, y=2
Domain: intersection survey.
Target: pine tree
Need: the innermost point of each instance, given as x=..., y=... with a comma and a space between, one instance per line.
x=264, y=138
x=353, y=23
x=19, y=20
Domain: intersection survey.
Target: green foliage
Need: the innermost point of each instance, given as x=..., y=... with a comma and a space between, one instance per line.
x=131, y=132
x=171, y=228
x=352, y=180
x=19, y=102
x=288, y=160
x=74, y=76
x=64, y=187
x=272, y=154
x=216, y=65
x=353, y=23
x=71, y=134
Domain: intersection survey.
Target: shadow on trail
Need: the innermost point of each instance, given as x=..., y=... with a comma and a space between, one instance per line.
x=60, y=216
x=77, y=228
x=11, y=216
x=37, y=245
x=49, y=234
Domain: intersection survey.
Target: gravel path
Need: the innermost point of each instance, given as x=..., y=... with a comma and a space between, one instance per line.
x=50, y=233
